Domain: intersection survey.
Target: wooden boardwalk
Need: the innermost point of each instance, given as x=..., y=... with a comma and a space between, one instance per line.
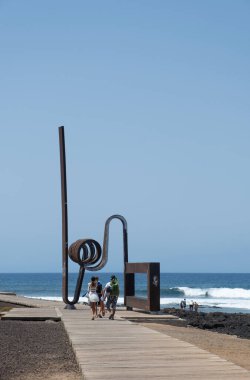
x=121, y=349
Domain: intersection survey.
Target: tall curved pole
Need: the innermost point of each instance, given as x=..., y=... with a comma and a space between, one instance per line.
x=65, y=228
x=64, y=216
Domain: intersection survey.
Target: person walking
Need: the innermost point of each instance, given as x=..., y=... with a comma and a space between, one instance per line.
x=100, y=295
x=93, y=297
x=113, y=295
x=106, y=293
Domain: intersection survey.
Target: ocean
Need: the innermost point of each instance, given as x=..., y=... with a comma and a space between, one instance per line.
x=226, y=292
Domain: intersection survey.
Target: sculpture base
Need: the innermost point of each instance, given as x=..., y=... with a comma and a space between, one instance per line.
x=70, y=307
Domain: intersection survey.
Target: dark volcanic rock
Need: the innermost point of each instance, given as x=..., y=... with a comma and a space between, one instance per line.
x=234, y=324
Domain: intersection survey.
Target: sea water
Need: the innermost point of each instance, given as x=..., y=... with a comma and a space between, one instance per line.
x=227, y=292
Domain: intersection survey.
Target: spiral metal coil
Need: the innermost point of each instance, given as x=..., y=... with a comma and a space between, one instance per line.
x=86, y=253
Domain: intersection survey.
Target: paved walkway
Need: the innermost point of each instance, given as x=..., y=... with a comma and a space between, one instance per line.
x=121, y=349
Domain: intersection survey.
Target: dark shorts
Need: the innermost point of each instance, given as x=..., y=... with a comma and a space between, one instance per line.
x=111, y=302
x=99, y=295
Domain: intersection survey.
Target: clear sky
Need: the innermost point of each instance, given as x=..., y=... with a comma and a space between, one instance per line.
x=155, y=100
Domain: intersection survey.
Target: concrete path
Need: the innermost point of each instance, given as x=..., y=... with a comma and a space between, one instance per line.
x=121, y=349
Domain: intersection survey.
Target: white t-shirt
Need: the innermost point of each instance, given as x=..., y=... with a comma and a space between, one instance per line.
x=105, y=290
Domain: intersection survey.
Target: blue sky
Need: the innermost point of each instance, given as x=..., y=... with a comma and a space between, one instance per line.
x=154, y=97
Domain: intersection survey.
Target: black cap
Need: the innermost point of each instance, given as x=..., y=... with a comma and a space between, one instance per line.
x=112, y=277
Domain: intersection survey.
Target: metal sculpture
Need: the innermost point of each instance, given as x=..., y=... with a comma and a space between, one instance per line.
x=152, y=302
x=85, y=252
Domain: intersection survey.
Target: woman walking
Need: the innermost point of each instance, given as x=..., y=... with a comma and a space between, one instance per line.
x=93, y=297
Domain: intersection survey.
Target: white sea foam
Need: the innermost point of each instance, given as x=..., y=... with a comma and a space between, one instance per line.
x=47, y=298
x=210, y=302
x=165, y=302
x=237, y=293
x=81, y=299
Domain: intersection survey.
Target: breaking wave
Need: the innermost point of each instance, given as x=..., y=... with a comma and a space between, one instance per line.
x=230, y=293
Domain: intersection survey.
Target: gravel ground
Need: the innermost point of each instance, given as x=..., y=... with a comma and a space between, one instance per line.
x=36, y=350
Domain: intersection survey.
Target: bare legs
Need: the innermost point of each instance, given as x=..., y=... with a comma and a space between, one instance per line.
x=102, y=309
x=94, y=309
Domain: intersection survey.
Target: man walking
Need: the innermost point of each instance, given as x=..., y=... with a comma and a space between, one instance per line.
x=113, y=295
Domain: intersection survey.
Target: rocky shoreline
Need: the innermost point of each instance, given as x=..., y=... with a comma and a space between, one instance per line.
x=233, y=324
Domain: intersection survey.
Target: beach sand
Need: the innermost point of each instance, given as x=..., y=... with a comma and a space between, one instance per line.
x=229, y=347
